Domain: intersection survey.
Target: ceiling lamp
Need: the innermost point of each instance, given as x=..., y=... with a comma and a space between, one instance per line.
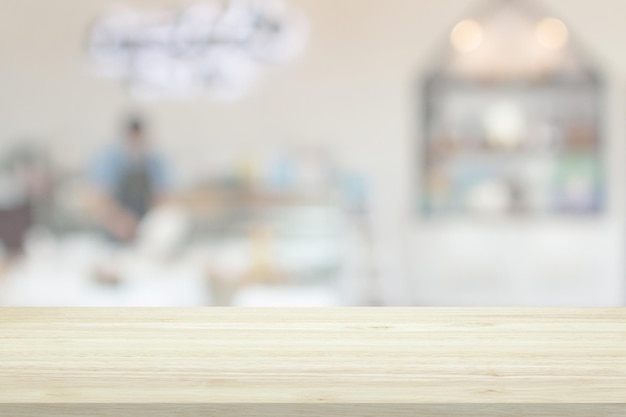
x=212, y=47
x=467, y=36
x=552, y=34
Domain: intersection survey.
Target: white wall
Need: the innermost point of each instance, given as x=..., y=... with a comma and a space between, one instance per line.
x=355, y=91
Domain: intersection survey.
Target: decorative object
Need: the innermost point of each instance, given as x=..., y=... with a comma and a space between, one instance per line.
x=216, y=48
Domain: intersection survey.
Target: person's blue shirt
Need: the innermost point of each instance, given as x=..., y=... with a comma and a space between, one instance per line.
x=111, y=165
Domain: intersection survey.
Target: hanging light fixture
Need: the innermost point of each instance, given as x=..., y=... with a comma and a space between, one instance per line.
x=212, y=47
x=467, y=36
x=552, y=34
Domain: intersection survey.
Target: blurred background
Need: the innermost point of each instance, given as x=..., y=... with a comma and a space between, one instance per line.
x=312, y=153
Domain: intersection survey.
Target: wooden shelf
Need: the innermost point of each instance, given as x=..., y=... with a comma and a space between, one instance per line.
x=355, y=362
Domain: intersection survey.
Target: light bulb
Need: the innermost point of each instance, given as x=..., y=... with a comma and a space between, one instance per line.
x=552, y=34
x=467, y=36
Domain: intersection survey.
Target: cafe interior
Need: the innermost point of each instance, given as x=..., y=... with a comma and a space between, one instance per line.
x=312, y=153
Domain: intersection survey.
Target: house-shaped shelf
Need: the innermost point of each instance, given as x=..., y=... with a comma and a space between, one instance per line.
x=512, y=119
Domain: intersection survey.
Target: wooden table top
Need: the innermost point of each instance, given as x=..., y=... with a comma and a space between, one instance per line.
x=342, y=356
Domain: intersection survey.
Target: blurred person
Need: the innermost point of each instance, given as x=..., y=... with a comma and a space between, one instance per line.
x=130, y=178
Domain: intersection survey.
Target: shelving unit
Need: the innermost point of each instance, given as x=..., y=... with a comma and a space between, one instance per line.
x=512, y=138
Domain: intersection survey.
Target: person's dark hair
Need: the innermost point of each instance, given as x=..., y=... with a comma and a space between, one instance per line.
x=134, y=125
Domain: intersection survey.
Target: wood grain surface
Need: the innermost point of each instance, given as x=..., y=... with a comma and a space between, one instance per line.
x=342, y=356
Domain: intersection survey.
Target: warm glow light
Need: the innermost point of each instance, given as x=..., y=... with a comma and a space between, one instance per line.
x=467, y=36
x=552, y=33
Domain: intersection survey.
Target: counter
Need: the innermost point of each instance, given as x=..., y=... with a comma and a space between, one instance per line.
x=348, y=362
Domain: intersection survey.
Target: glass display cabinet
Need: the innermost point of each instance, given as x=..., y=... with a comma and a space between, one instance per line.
x=512, y=122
